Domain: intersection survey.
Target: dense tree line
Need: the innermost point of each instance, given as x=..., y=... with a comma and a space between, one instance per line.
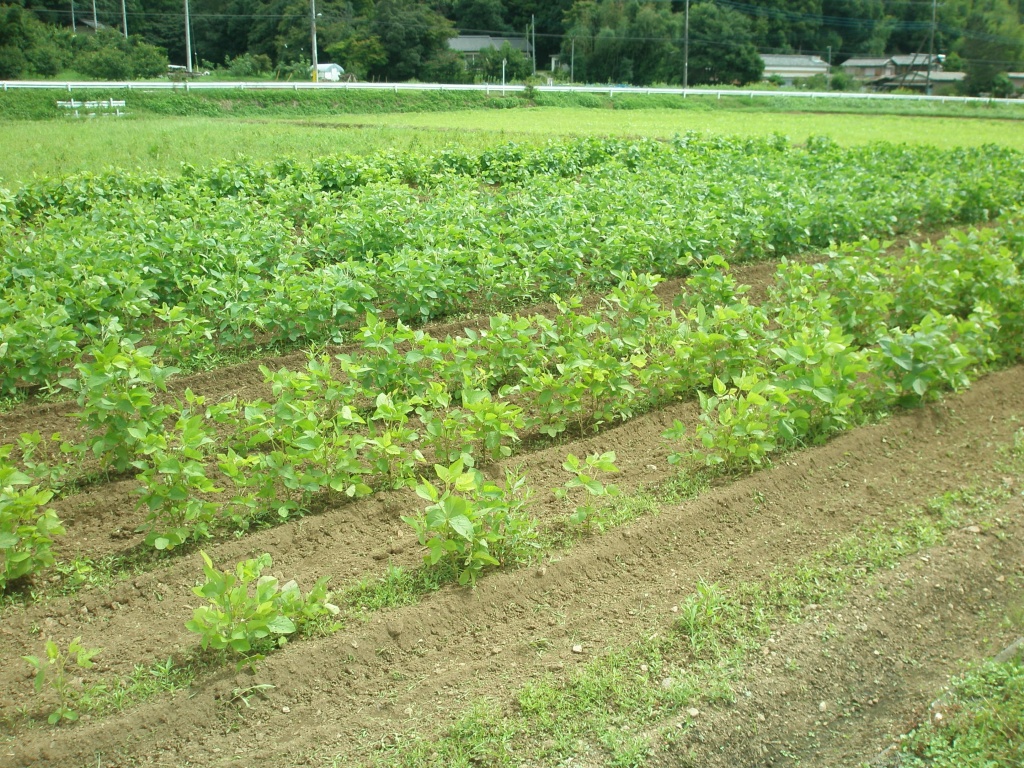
x=29, y=46
x=605, y=40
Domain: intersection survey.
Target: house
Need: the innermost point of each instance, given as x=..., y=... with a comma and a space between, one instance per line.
x=471, y=45
x=940, y=83
x=329, y=73
x=868, y=69
x=792, y=67
x=916, y=62
x=1017, y=78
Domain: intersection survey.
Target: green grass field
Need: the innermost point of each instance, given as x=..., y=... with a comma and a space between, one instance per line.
x=61, y=147
x=943, y=132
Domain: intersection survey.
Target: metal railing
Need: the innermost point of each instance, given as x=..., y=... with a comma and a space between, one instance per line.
x=610, y=91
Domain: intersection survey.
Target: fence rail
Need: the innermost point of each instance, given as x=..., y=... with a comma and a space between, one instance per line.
x=611, y=91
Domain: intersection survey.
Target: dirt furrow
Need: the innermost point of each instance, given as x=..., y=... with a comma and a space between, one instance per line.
x=839, y=688
x=411, y=667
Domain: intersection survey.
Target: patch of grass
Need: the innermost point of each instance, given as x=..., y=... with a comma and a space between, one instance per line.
x=144, y=682
x=845, y=129
x=68, y=577
x=397, y=587
x=981, y=724
x=161, y=144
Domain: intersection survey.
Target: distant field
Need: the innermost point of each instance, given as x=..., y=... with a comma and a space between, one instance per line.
x=61, y=147
x=943, y=132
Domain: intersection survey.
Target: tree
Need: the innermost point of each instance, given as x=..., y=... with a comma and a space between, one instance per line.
x=484, y=16
x=721, y=48
x=446, y=67
x=783, y=25
x=359, y=52
x=993, y=42
x=410, y=34
x=488, y=64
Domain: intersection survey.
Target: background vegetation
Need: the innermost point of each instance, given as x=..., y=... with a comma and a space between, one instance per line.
x=605, y=40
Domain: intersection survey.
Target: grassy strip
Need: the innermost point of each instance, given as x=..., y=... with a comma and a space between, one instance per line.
x=608, y=707
x=981, y=725
x=28, y=104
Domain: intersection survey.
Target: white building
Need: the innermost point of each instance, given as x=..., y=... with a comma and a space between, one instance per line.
x=329, y=73
x=791, y=67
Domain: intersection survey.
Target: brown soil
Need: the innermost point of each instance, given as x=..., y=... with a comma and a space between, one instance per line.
x=411, y=669
x=842, y=687
x=407, y=667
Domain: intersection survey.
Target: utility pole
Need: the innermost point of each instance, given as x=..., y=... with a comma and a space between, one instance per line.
x=124, y=18
x=188, y=41
x=686, y=48
x=572, y=62
x=95, y=21
x=828, y=78
x=931, y=51
x=74, y=26
x=316, y=68
x=533, y=26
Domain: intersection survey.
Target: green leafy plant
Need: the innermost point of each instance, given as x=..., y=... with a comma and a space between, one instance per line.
x=590, y=514
x=739, y=426
x=247, y=611
x=115, y=389
x=173, y=481
x=52, y=475
x=53, y=672
x=472, y=523
x=26, y=529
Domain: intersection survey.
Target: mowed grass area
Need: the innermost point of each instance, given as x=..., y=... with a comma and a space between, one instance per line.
x=945, y=132
x=60, y=148
x=55, y=148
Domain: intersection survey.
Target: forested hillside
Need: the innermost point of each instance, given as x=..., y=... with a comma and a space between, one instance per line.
x=606, y=40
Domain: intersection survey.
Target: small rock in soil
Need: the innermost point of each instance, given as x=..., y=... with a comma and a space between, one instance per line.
x=822, y=706
x=693, y=711
x=973, y=529
x=667, y=683
x=577, y=649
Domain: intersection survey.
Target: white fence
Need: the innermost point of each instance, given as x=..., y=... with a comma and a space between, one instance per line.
x=103, y=107
x=610, y=91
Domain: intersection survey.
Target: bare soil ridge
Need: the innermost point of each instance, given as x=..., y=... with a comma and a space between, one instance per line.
x=411, y=667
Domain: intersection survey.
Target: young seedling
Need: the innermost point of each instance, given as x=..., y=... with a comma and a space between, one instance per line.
x=473, y=523
x=589, y=515
x=52, y=672
x=241, y=621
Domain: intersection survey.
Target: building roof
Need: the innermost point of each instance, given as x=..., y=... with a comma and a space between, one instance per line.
x=476, y=43
x=915, y=59
x=792, y=60
x=329, y=66
x=875, y=62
